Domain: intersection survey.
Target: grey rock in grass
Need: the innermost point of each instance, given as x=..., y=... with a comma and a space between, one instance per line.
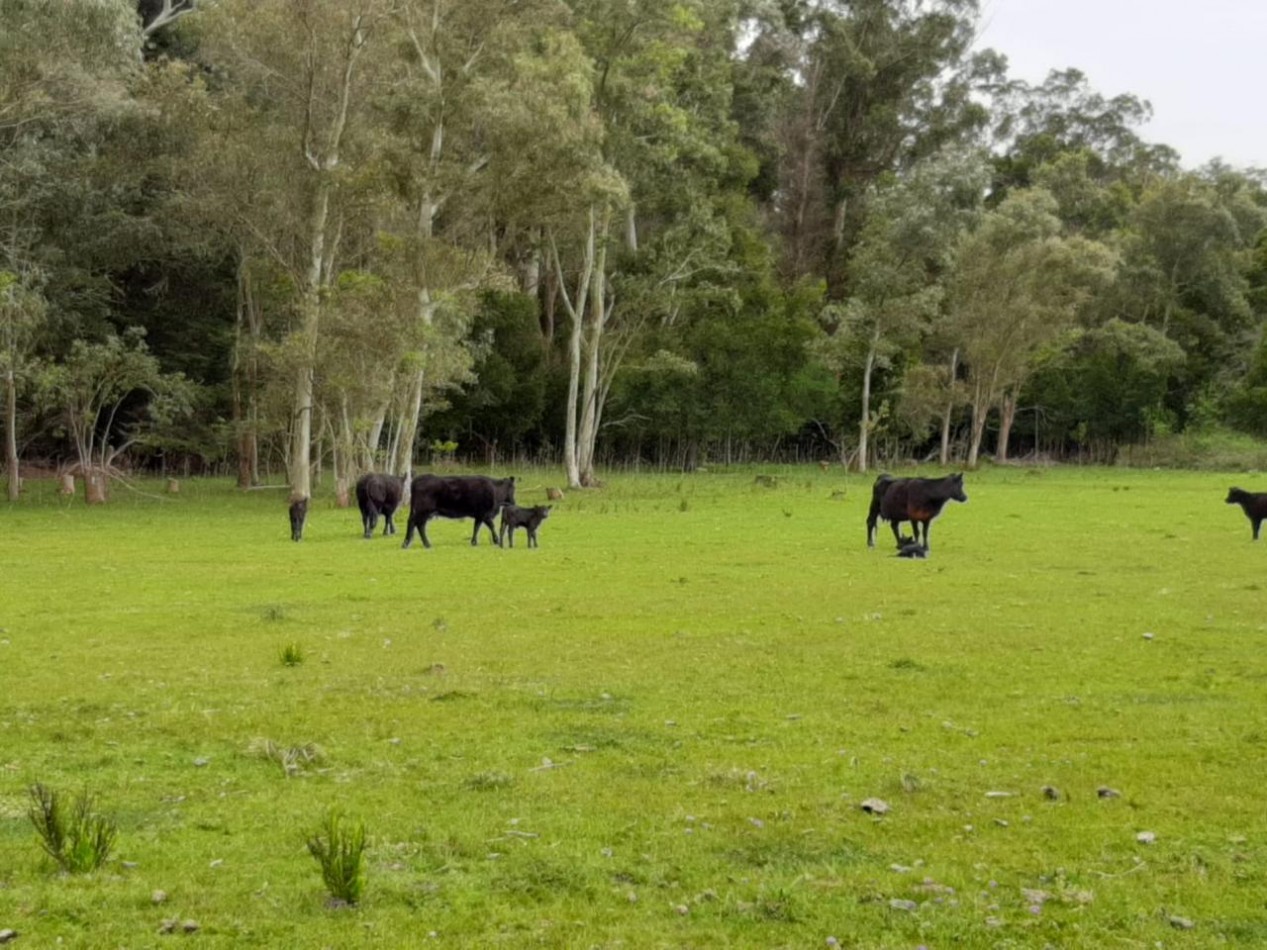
x=1105, y=792
x=875, y=806
x=1051, y=793
x=999, y=794
x=158, y=897
x=189, y=926
x=899, y=903
x=1181, y=923
x=7, y=934
x=1146, y=837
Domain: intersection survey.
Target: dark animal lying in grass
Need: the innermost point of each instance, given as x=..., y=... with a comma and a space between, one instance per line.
x=912, y=550
x=529, y=518
x=917, y=500
x=298, y=514
x=379, y=495
x=1254, y=504
x=457, y=496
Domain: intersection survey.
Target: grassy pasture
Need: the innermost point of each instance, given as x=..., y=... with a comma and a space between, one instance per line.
x=655, y=730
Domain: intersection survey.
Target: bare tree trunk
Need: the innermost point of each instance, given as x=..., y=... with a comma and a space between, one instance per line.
x=11, y=433
x=576, y=312
x=980, y=413
x=949, y=410
x=587, y=436
x=864, y=426
x=407, y=431
x=96, y=486
x=1007, y=413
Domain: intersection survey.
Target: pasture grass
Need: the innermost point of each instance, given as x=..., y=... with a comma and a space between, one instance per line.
x=657, y=729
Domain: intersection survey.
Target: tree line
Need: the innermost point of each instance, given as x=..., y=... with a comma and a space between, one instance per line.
x=238, y=234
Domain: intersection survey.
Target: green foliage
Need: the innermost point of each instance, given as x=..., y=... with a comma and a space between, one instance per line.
x=1105, y=386
x=338, y=846
x=75, y=836
x=292, y=654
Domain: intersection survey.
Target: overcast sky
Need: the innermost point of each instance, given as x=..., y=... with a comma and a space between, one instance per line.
x=1201, y=63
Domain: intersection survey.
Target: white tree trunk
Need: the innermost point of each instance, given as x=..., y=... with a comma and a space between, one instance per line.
x=587, y=434
x=864, y=426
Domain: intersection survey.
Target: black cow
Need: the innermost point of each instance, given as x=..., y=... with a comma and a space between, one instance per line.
x=298, y=515
x=1254, y=504
x=528, y=518
x=378, y=495
x=917, y=500
x=457, y=496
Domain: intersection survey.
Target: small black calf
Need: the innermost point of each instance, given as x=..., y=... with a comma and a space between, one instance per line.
x=912, y=549
x=298, y=514
x=1254, y=504
x=529, y=518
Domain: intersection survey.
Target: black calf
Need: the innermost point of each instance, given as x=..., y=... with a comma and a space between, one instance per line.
x=1254, y=504
x=529, y=518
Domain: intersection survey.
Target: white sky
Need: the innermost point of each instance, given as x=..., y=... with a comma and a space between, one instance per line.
x=1201, y=63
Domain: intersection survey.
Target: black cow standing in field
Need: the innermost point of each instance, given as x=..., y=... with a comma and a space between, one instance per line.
x=1254, y=504
x=917, y=500
x=379, y=495
x=457, y=496
x=298, y=515
x=527, y=518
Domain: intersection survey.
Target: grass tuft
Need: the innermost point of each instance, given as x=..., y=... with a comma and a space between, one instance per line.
x=77, y=838
x=339, y=848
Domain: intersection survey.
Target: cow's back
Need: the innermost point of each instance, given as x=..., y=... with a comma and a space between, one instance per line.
x=453, y=496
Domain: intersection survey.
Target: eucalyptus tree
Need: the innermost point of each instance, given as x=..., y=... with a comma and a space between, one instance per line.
x=23, y=309
x=1188, y=253
x=300, y=76
x=1017, y=284
x=895, y=271
x=875, y=85
x=653, y=224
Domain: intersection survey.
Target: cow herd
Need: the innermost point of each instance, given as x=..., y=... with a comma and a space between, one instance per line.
x=895, y=500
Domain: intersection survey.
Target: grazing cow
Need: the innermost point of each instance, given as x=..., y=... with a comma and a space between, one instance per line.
x=529, y=518
x=1254, y=504
x=379, y=495
x=298, y=515
x=917, y=500
x=457, y=496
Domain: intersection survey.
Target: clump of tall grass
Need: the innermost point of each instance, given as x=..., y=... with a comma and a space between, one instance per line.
x=339, y=848
x=75, y=836
x=292, y=654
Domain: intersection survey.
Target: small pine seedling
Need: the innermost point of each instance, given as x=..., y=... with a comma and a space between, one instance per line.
x=77, y=838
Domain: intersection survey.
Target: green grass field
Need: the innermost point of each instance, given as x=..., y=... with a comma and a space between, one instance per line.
x=657, y=729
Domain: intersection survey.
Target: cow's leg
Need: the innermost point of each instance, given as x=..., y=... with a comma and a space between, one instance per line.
x=492, y=531
x=389, y=525
x=371, y=522
x=927, y=524
x=897, y=534
x=532, y=538
x=871, y=526
x=508, y=536
x=409, y=529
x=1258, y=523
x=475, y=535
x=422, y=530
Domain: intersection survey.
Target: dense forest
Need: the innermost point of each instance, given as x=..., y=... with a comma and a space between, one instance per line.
x=329, y=236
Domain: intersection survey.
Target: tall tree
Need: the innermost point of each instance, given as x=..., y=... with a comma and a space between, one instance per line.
x=1017, y=284
x=302, y=74
x=896, y=268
